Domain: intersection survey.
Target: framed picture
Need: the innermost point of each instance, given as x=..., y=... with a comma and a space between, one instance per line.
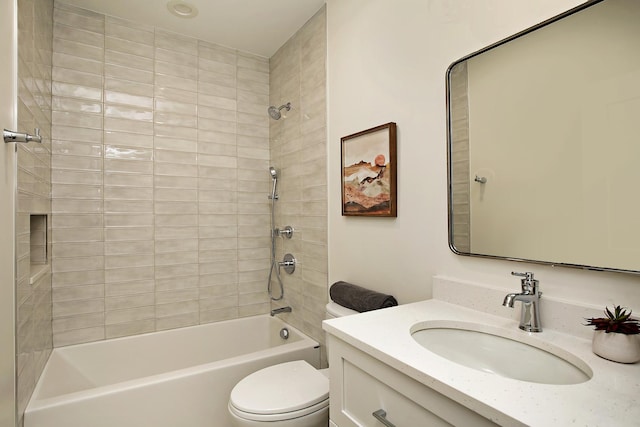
x=369, y=172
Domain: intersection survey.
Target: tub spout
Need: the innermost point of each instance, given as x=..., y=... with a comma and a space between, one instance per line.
x=275, y=311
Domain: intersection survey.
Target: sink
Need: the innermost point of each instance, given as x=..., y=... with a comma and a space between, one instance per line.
x=510, y=354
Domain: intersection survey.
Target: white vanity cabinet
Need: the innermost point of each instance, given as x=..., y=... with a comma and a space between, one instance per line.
x=362, y=385
x=376, y=364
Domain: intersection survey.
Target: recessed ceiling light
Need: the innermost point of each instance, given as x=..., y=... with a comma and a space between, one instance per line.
x=182, y=9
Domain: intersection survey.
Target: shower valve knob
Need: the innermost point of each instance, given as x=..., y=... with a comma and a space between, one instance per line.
x=288, y=263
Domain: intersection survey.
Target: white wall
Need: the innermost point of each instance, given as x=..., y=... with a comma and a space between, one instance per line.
x=387, y=62
x=8, y=119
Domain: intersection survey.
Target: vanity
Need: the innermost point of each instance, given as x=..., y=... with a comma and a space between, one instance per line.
x=378, y=367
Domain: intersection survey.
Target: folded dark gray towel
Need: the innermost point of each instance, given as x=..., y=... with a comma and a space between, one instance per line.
x=358, y=298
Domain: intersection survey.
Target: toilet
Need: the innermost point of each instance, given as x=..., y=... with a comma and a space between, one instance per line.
x=290, y=394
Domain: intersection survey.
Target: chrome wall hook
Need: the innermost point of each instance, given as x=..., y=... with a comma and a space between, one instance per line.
x=480, y=179
x=11, y=136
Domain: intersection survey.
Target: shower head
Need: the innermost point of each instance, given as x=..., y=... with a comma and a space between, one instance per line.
x=274, y=112
x=273, y=172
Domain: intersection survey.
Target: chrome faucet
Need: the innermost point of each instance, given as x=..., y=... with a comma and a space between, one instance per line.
x=275, y=311
x=530, y=298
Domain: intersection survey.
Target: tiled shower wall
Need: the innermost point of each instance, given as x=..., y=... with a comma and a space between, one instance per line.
x=159, y=178
x=299, y=153
x=33, y=292
x=459, y=128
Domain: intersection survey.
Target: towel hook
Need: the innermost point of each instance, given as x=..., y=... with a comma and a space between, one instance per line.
x=11, y=136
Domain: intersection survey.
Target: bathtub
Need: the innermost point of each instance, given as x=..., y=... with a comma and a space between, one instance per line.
x=174, y=378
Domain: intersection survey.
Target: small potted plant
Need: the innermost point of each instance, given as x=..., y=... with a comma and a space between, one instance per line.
x=616, y=335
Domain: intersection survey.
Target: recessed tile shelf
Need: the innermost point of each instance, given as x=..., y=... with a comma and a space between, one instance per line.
x=38, y=247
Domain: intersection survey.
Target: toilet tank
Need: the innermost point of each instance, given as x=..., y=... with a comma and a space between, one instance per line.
x=334, y=310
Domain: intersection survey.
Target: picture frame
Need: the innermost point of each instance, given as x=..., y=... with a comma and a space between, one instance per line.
x=369, y=171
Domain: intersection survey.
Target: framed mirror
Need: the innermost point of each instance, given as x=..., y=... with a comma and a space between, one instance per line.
x=544, y=142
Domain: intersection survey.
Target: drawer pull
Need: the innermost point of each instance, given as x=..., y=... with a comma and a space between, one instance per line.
x=381, y=415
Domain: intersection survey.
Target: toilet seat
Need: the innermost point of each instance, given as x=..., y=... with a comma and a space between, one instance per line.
x=279, y=417
x=280, y=392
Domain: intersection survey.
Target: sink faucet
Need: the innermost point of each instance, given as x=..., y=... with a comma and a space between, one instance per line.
x=530, y=298
x=280, y=310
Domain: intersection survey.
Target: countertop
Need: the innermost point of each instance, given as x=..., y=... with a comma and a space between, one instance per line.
x=610, y=398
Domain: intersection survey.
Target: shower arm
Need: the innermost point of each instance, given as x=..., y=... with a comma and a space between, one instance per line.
x=274, y=112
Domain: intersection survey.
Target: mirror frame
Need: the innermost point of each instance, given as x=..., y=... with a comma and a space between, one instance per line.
x=448, y=85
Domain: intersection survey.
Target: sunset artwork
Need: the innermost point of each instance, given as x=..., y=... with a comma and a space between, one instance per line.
x=368, y=172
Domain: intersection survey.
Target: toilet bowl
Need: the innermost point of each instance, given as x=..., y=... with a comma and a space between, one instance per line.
x=291, y=394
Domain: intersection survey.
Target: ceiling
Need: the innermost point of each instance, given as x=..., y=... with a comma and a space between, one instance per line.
x=255, y=26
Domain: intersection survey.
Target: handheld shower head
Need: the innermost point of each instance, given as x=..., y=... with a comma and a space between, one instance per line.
x=274, y=178
x=274, y=112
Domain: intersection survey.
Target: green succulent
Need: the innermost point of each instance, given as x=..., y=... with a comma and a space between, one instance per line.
x=619, y=321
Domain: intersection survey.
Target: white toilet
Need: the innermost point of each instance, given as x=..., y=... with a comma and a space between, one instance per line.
x=291, y=394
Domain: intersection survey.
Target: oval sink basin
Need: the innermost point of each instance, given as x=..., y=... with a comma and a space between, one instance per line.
x=499, y=352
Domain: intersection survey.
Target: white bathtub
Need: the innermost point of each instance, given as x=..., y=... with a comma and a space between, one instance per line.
x=175, y=378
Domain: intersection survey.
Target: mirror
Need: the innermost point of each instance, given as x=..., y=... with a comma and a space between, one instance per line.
x=544, y=142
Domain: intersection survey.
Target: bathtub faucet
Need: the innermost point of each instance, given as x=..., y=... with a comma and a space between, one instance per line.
x=275, y=311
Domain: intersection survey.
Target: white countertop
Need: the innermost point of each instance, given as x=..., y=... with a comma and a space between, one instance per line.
x=610, y=398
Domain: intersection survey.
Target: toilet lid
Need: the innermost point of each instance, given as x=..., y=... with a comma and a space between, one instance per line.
x=277, y=389
x=336, y=310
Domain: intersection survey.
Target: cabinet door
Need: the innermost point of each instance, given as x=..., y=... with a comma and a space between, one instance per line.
x=363, y=395
x=361, y=385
